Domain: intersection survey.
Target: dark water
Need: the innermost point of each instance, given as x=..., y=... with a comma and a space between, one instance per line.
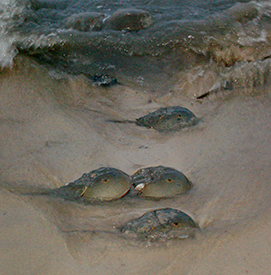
x=178, y=36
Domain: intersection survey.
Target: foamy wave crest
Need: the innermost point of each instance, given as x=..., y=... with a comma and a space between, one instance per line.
x=241, y=33
x=11, y=14
x=7, y=52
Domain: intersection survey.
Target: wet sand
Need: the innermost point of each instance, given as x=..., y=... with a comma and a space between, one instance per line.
x=54, y=129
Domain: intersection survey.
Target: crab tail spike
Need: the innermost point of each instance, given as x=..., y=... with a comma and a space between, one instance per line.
x=84, y=191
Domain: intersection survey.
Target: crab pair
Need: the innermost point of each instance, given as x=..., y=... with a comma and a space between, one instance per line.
x=108, y=183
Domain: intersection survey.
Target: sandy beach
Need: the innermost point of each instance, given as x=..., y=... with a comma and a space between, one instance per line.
x=54, y=129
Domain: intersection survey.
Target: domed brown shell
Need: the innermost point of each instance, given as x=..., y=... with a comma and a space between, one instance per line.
x=168, y=119
x=86, y=21
x=129, y=20
x=160, y=223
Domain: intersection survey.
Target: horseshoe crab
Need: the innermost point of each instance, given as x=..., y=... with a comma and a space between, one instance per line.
x=129, y=20
x=165, y=119
x=86, y=21
x=161, y=223
x=160, y=182
x=104, y=184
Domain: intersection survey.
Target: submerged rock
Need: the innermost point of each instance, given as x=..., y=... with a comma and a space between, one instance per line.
x=129, y=20
x=160, y=182
x=103, y=184
x=159, y=224
x=86, y=21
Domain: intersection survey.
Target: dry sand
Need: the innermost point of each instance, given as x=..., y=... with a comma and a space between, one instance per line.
x=54, y=130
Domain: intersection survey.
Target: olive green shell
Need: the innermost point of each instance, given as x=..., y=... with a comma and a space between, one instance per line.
x=160, y=182
x=104, y=184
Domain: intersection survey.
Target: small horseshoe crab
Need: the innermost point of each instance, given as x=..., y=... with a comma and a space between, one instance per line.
x=129, y=20
x=160, y=182
x=165, y=119
x=85, y=21
x=104, y=184
x=158, y=224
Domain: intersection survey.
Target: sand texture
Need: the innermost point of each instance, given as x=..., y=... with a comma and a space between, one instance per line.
x=53, y=129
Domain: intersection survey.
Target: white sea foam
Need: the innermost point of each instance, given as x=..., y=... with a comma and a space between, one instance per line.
x=11, y=14
x=231, y=34
x=7, y=52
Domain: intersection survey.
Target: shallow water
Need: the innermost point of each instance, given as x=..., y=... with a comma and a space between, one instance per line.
x=182, y=36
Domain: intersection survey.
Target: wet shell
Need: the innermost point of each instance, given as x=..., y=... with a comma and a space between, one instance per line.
x=129, y=20
x=160, y=223
x=168, y=119
x=87, y=21
x=160, y=182
x=104, y=184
